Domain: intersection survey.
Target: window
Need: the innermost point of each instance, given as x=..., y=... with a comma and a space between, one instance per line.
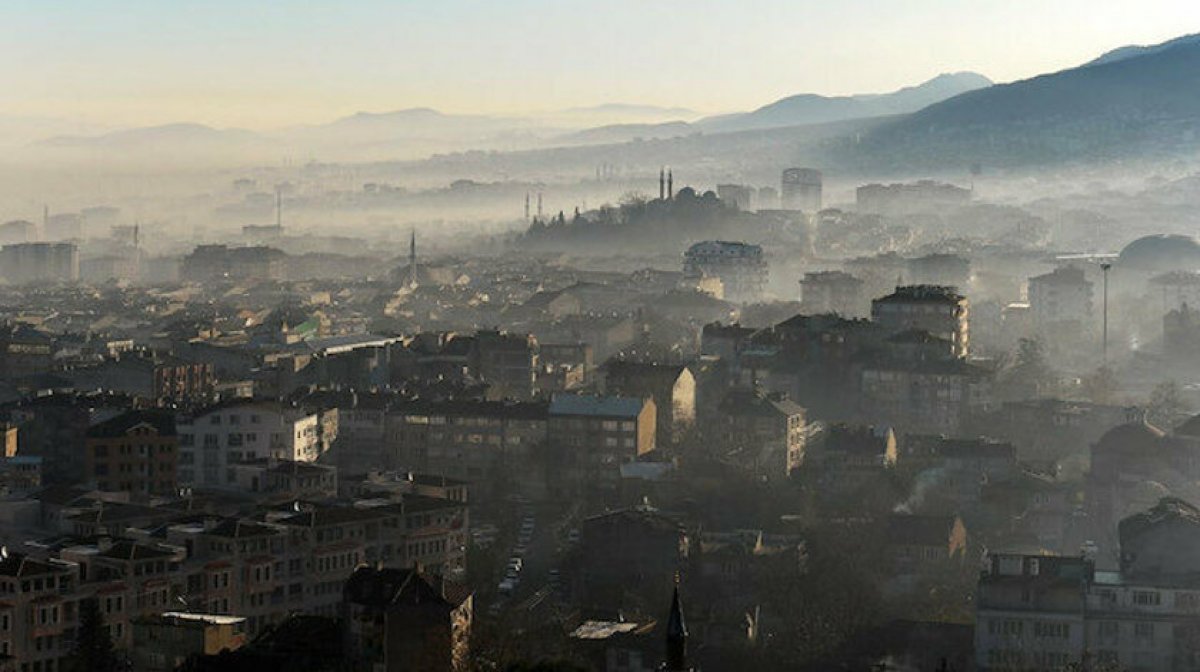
x=1051, y=630
x=1147, y=598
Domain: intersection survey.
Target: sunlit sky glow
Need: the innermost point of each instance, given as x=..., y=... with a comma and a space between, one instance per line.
x=267, y=63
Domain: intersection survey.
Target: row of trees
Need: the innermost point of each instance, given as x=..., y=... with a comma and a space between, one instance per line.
x=1029, y=375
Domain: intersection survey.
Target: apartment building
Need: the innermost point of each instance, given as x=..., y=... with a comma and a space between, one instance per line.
x=135, y=452
x=478, y=441
x=405, y=619
x=937, y=309
x=1045, y=612
x=39, y=606
x=591, y=436
x=214, y=439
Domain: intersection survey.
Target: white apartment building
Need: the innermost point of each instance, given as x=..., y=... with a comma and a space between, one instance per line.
x=1046, y=612
x=214, y=439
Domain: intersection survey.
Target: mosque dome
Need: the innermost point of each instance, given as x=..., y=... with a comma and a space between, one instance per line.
x=1160, y=253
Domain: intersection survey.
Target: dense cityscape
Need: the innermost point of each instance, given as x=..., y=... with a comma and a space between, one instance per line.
x=904, y=381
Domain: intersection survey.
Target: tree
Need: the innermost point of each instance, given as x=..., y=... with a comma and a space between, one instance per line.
x=1166, y=405
x=1030, y=375
x=93, y=646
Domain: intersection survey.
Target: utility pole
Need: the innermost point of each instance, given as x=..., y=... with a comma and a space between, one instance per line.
x=1104, y=333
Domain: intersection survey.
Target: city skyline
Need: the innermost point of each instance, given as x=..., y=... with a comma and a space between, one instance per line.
x=277, y=64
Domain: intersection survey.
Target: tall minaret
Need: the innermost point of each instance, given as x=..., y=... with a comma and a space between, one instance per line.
x=677, y=636
x=412, y=259
x=670, y=186
x=527, y=206
x=662, y=183
x=539, y=209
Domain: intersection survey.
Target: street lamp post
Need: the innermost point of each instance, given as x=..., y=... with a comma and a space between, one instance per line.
x=1104, y=330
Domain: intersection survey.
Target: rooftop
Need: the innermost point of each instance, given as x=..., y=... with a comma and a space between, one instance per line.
x=596, y=406
x=922, y=294
x=162, y=422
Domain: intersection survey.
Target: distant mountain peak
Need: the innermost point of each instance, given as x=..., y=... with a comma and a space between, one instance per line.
x=406, y=113
x=1134, y=50
x=812, y=108
x=1129, y=100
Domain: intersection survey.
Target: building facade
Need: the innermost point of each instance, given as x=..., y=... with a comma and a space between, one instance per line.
x=590, y=436
x=213, y=439
x=741, y=267
x=136, y=452
x=937, y=309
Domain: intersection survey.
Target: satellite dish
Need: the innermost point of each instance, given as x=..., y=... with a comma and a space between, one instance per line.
x=296, y=506
x=3, y=552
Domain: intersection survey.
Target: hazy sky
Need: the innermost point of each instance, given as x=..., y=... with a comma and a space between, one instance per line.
x=263, y=63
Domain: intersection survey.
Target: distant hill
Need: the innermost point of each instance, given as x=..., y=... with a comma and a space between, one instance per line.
x=162, y=136
x=1122, y=53
x=811, y=108
x=625, y=133
x=1127, y=102
x=169, y=144
x=632, y=110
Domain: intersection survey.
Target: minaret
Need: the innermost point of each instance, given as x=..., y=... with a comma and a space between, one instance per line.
x=670, y=186
x=539, y=205
x=412, y=259
x=278, y=209
x=676, y=637
x=662, y=183
x=527, y=206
